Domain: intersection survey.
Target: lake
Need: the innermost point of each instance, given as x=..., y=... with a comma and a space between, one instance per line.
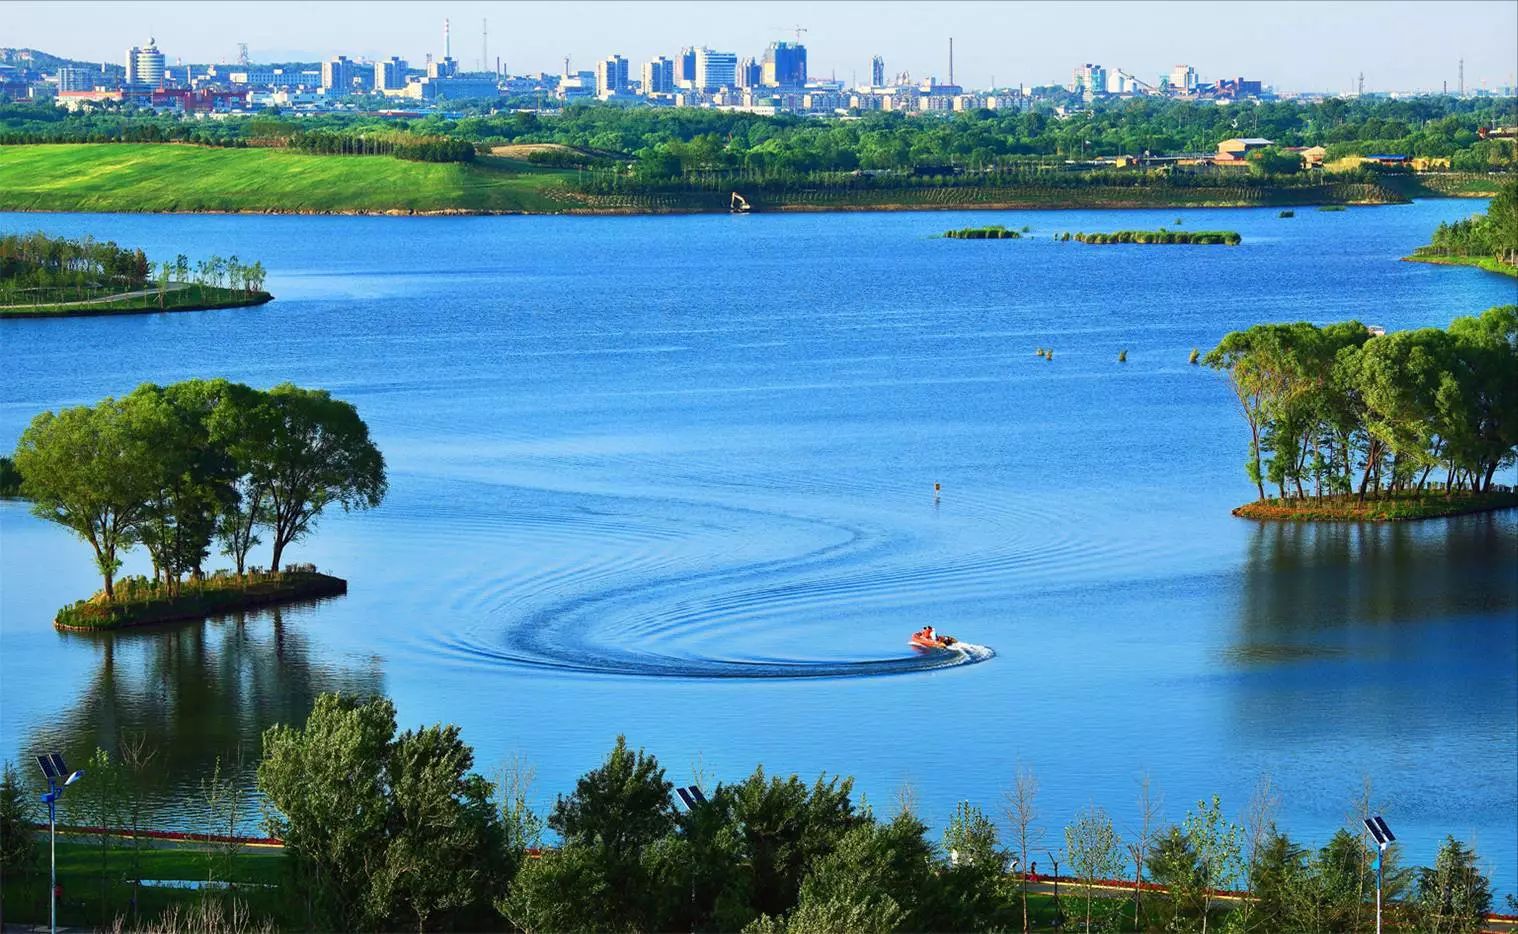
x=674, y=477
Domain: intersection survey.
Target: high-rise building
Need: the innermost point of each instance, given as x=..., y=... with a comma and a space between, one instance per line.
x=749, y=73
x=1089, y=80
x=877, y=72
x=145, y=67
x=685, y=68
x=338, y=74
x=73, y=78
x=1183, y=79
x=715, y=70
x=659, y=76
x=611, y=75
x=784, y=65
x=391, y=75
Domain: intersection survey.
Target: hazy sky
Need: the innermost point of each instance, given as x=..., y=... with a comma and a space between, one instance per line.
x=1292, y=45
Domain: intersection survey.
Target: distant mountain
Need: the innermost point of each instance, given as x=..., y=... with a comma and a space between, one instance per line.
x=42, y=61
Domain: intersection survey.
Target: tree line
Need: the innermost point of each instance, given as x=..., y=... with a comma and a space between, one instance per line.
x=36, y=268
x=1493, y=234
x=176, y=468
x=401, y=145
x=1334, y=410
x=1435, y=126
x=386, y=830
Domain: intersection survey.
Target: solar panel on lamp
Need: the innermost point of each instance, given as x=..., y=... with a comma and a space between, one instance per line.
x=47, y=766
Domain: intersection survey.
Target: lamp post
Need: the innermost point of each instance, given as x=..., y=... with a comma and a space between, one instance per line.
x=58, y=778
x=1383, y=836
x=1059, y=916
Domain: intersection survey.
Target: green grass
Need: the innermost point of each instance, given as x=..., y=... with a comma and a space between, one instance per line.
x=1382, y=508
x=169, y=178
x=1489, y=263
x=141, y=602
x=94, y=893
x=1446, y=184
x=160, y=177
x=994, y=232
x=190, y=298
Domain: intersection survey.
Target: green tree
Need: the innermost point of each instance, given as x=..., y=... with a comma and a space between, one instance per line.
x=1174, y=863
x=1453, y=895
x=381, y=830
x=1272, y=160
x=1094, y=851
x=18, y=845
x=83, y=469
x=784, y=826
x=1216, y=844
x=318, y=454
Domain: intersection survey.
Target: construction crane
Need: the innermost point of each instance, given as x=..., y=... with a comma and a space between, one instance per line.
x=797, y=30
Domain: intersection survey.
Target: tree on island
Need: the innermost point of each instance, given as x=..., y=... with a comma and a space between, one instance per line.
x=173, y=467
x=315, y=452
x=82, y=468
x=1344, y=411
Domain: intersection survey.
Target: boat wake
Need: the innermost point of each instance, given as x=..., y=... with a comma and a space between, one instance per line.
x=587, y=659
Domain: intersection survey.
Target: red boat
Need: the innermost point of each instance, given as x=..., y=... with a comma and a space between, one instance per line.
x=926, y=638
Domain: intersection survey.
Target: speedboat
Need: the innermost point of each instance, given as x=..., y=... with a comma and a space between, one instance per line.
x=922, y=640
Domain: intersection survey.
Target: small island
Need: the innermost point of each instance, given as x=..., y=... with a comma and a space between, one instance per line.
x=1486, y=241
x=54, y=277
x=144, y=601
x=1434, y=502
x=993, y=232
x=179, y=469
x=1161, y=236
x=1351, y=425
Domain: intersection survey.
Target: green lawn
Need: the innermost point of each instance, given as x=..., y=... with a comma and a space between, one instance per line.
x=95, y=893
x=164, y=177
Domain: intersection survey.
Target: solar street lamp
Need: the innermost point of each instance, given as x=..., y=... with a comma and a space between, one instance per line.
x=1383, y=836
x=58, y=778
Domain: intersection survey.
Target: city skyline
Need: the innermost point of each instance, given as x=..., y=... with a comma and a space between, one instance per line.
x=1404, y=47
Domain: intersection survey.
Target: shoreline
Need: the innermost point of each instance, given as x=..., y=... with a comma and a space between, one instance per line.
x=200, y=604
x=794, y=208
x=1484, y=263
x=84, y=309
x=1434, y=505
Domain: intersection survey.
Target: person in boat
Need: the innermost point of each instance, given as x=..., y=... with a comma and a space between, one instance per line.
x=928, y=634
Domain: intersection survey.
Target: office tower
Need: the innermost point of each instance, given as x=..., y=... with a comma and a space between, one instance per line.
x=145, y=67
x=715, y=70
x=749, y=73
x=338, y=74
x=685, y=68
x=784, y=65
x=391, y=75
x=877, y=72
x=659, y=76
x=73, y=78
x=611, y=75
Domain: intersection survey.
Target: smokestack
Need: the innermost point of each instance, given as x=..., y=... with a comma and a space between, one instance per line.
x=484, y=45
x=447, y=40
x=951, y=60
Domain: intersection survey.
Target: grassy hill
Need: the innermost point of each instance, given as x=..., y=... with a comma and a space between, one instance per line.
x=167, y=177
x=162, y=177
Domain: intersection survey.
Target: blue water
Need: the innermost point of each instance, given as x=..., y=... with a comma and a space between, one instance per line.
x=674, y=477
